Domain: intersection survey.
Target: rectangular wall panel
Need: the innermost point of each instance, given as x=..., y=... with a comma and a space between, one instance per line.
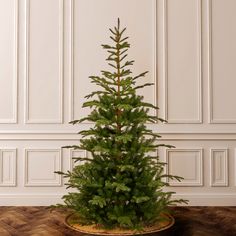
x=88, y=57
x=219, y=167
x=222, y=57
x=44, y=61
x=190, y=168
x=8, y=167
x=8, y=60
x=182, y=61
x=40, y=165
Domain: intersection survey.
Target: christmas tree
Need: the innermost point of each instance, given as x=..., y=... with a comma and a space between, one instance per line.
x=121, y=185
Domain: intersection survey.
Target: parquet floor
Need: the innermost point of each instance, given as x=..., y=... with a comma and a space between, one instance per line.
x=190, y=221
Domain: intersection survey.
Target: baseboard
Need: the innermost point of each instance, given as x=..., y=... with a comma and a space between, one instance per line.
x=209, y=199
x=29, y=199
x=49, y=199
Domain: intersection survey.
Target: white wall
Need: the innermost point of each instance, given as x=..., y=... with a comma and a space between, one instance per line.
x=50, y=47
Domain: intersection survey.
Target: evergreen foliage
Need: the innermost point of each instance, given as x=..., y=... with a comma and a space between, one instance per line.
x=122, y=184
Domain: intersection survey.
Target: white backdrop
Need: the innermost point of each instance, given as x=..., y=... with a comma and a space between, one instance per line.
x=50, y=47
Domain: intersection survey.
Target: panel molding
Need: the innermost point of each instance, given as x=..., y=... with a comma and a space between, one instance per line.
x=165, y=67
x=223, y=170
x=61, y=70
x=15, y=77
x=11, y=168
x=198, y=181
x=65, y=135
x=57, y=181
x=155, y=81
x=83, y=154
x=43, y=199
x=71, y=46
x=211, y=119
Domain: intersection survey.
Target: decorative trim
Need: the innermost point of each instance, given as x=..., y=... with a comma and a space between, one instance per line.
x=61, y=60
x=211, y=119
x=210, y=107
x=15, y=77
x=12, y=168
x=155, y=56
x=223, y=170
x=72, y=152
x=61, y=71
x=71, y=91
x=72, y=59
x=198, y=181
x=57, y=181
x=165, y=67
x=65, y=135
x=15, y=87
x=212, y=199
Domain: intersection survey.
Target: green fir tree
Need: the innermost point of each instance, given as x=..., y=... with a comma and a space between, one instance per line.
x=121, y=185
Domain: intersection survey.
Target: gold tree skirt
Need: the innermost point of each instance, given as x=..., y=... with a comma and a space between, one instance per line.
x=95, y=230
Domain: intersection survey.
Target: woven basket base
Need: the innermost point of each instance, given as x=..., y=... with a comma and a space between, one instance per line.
x=94, y=230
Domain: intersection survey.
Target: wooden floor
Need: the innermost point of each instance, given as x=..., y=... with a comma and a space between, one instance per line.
x=190, y=221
